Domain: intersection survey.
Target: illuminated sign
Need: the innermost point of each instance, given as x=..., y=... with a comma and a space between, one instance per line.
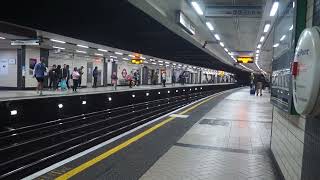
x=245, y=59
x=221, y=73
x=137, y=59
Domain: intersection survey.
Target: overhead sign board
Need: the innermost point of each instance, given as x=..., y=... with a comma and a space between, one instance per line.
x=244, y=59
x=26, y=42
x=230, y=11
x=185, y=23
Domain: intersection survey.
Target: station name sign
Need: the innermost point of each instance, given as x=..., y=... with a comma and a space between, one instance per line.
x=244, y=59
x=230, y=11
x=185, y=23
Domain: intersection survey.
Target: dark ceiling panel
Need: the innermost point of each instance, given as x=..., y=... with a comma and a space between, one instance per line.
x=114, y=23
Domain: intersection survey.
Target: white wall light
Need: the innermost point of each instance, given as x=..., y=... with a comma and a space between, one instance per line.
x=58, y=41
x=103, y=50
x=13, y=112
x=79, y=45
x=274, y=8
x=60, y=106
x=109, y=99
x=217, y=37
x=83, y=52
x=259, y=46
x=84, y=102
x=209, y=25
x=276, y=45
x=133, y=95
x=196, y=7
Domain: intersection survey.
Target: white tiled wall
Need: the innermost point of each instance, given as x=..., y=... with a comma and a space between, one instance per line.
x=287, y=143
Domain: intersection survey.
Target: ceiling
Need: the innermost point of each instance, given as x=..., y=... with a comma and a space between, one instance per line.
x=117, y=23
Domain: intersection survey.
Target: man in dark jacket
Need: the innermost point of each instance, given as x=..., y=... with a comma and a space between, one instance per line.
x=53, y=77
x=95, y=77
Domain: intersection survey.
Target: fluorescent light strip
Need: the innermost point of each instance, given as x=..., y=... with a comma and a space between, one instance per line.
x=217, y=37
x=154, y=63
x=160, y=61
x=221, y=44
x=56, y=47
x=79, y=45
x=209, y=25
x=58, y=41
x=103, y=50
x=257, y=51
x=266, y=28
x=259, y=46
x=197, y=7
x=274, y=8
x=226, y=49
x=2, y=37
x=125, y=59
x=131, y=55
x=113, y=56
x=291, y=27
x=160, y=64
x=276, y=45
x=81, y=52
x=97, y=54
x=262, y=38
x=143, y=58
x=167, y=62
x=119, y=53
x=283, y=37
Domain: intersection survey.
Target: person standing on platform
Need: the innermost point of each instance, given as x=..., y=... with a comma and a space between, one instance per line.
x=39, y=73
x=114, y=79
x=58, y=76
x=95, y=77
x=65, y=74
x=80, y=78
x=259, y=84
x=163, y=79
x=135, y=78
x=155, y=79
x=52, y=77
x=75, y=79
x=68, y=76
x=173, y=79
x=129, y=79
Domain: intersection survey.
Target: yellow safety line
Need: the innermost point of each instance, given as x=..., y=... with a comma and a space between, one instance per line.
x=108, y=153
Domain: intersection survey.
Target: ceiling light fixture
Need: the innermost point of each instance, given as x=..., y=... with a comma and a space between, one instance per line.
x=58, y=41
x=56, y=47
x=259, y=46
x=209, y=25
x=81, y=52
x=98, y=54
x=257, y=51
x=119, y=53
x=79, y=45
x=274, y=8
x=2, y=37
x=226, y=49
x=113, y=56
x=221, y=44
x=262, y=38
x=291, y=27
x=131, y=55
x=142, y=58
x=197, y=7
x=283, y=37
x=217, y=37
x=276, y=45
x=125, y=59
x=266, y=28
x=103, y=50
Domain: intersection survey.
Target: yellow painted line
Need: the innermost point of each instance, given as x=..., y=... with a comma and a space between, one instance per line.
x=108, y=153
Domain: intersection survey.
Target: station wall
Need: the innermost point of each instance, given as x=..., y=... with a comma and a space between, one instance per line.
x=8, y=74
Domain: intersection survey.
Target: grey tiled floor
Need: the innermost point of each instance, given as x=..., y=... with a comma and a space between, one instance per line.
x=231, y=142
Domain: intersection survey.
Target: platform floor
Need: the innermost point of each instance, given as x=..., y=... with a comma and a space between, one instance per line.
x=26, y=94
x=225, y=138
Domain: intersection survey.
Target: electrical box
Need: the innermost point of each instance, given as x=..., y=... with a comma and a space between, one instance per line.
x=306, y=73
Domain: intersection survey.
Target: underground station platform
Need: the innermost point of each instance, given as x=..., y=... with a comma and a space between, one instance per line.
x=190, y=132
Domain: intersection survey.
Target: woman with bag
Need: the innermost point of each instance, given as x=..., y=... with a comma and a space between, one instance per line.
x=75, y=78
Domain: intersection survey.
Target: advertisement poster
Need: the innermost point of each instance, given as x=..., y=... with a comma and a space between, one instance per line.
x=4, y=67
x=32, y=63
